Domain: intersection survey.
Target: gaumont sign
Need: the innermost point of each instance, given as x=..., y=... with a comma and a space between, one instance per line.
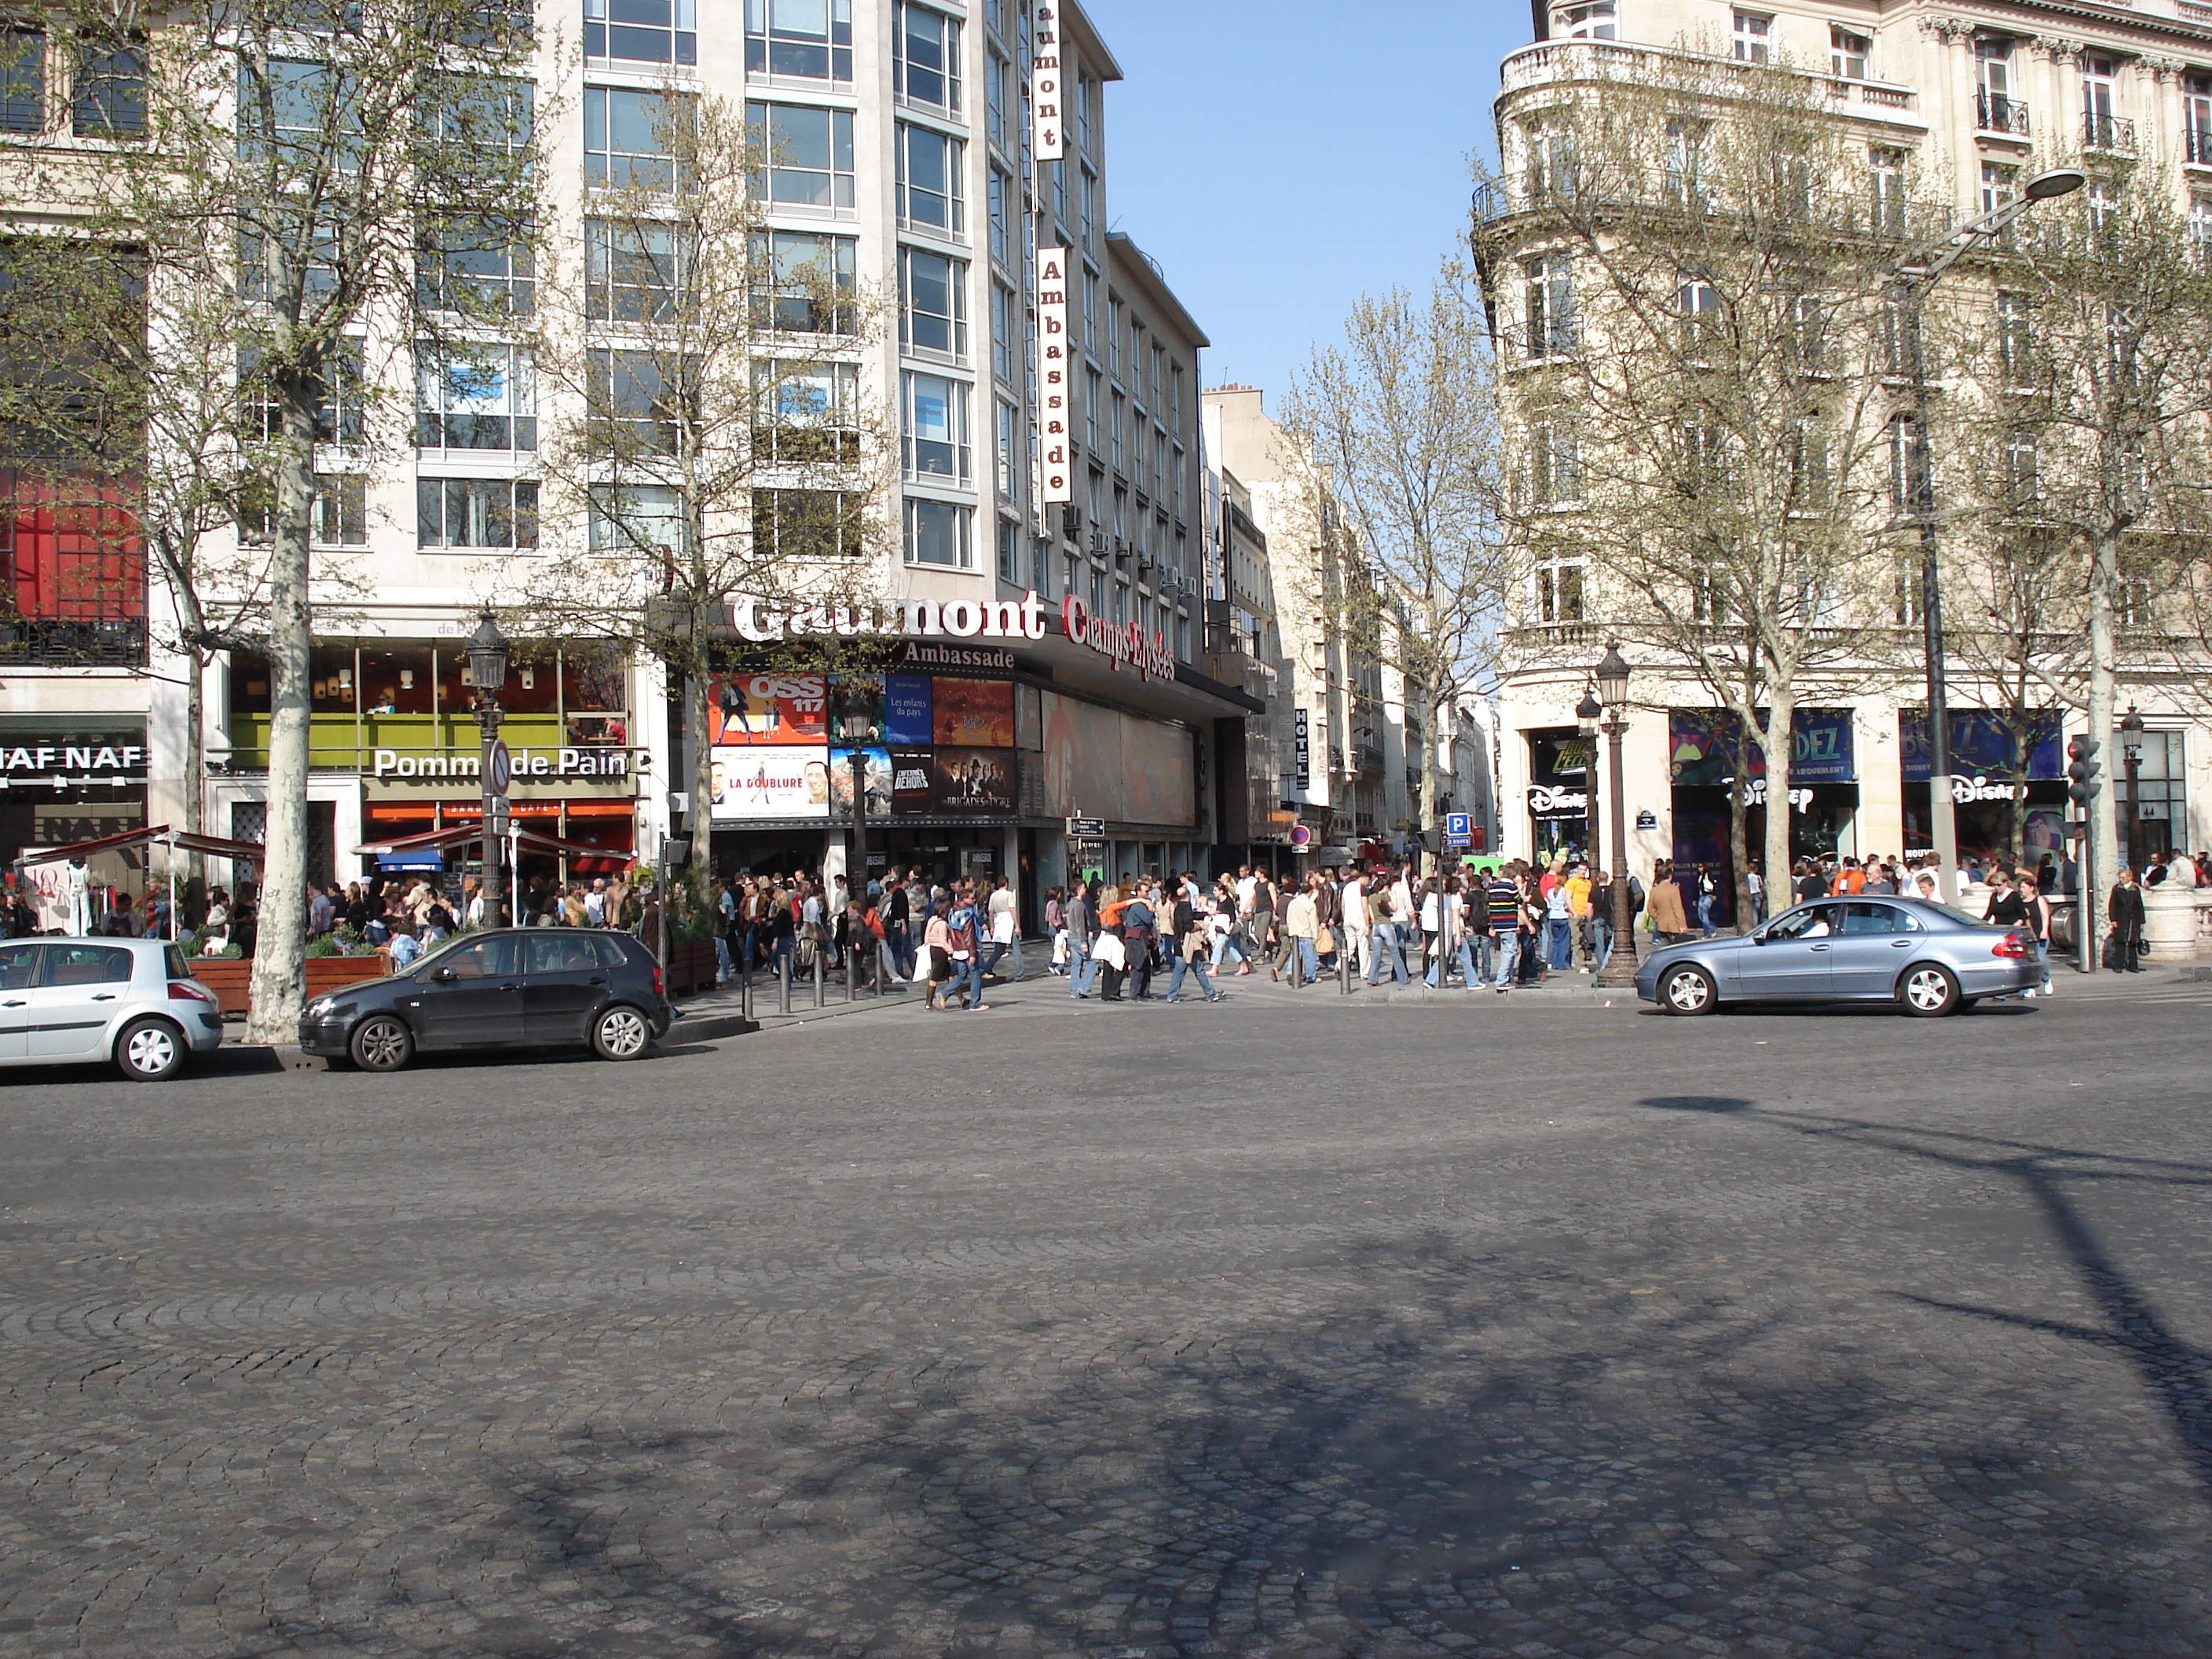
x=527, y=763
x=1123, y=642
x=764, y=622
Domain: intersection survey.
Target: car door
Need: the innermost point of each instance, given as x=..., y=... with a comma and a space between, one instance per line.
x=472, y=996
x=565, y=981
x=20, y=962
x=70, y=1013
x=1870, y=949
x=1788, y=958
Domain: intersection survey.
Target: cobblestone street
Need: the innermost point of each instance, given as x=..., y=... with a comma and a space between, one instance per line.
x=1304, y=1325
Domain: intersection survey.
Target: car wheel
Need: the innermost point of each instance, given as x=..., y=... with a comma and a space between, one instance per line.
x=1930, y=991
x=1687, y=991
x=381, y=1043
x=150, y=1050
x=621, y=1033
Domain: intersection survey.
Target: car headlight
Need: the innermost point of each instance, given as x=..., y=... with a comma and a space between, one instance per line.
x=321, y=1006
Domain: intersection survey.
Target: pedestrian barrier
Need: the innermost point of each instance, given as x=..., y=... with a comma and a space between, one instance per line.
x=746, y=996
x=817, y=978
x=783, y=984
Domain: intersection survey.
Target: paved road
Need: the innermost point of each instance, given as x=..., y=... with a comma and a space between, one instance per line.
x=1292, y=1327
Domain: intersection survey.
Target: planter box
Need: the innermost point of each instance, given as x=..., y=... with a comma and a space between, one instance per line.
x=231, y=978
x=691, y=966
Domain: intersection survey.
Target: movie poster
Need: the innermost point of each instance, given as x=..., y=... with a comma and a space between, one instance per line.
x=973, y=714
x=975, y=783
x=768, y=707
x=878, y=784
x=770, y=781
x=906, y=717
x=910, y=782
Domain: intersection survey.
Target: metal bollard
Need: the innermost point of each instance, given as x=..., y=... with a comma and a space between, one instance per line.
x=783, y=984
x=817, y=977
x=1344, y=968
x=852, y=972
x=745, y=998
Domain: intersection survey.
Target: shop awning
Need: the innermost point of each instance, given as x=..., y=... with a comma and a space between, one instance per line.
x=250, y=852
x=530, y=840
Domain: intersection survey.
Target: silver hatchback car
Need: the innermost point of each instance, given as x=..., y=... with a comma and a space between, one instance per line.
x=1926, y=958
x=93, y=1001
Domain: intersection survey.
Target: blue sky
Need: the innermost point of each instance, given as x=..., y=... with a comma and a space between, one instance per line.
x=1281, y=157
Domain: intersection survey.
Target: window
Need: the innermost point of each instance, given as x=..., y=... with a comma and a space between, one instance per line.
x=929, y=170
x=1809, y=470
x=936, y=426
x=1002, y=213
x=1010, y=549
x=1009, y=454
x=1120, y=421
x=2015, y=340
x=1995, y=108
x=339, y=516
x=641, y=31
x=2200, y=225
x=1093, y=397
x=2000, y=184
x=1885, y=182
x=2021, y=478
x=476, y=512
x=2099, y=131
x=933, y=302
x=1086, y=114
x=1114, y=337
x=474, y=267
x=107, y=99
x=1005, y=322
x=477, y=398
x=637, y=519
x=1595, y=20
x=937, y=534
x=2196, y=120
x=807, y=412
x=338, y=411
x=1548, y=292
x=808, y=524
x=1555, y=468
x=1699, y=306
x=804, y=282
x=631, y=137
x=1551, y=165
x=1685, y=184
x=925, y=57
x=1910, y=487
x=808, y=155
x=997, y=72
x=632, y=407
x=1806, y=332
x=633, y=270
x=2103, y=197
x=1559, y=590
x=22, y=79
x=1847, y=54
x=1090, y=208
x=1753, y=38
x=808, y=39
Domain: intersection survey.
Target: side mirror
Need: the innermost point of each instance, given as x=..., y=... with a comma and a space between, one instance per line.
x=1759, y=937
x=445, y=977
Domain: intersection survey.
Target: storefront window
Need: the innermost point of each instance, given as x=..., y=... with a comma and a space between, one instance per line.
x=331, y=677
x=396, y=680
x=2152, y=803
x=533, y=680
x=594, y=697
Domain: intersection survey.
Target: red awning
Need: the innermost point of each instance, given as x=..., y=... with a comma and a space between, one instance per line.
x=251, y=852
x=530, y=840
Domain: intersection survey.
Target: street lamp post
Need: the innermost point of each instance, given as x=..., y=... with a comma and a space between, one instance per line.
x=1586, y=713
x=2131, y=741
x=856, y=705
x=1619, y=970
x=1912, y=277
x=487, y=653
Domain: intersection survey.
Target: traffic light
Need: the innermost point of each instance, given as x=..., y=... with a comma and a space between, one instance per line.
x=2082, y=770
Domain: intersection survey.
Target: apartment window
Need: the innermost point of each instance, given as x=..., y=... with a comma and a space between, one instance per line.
x=807, y=413
x=997, y=73
x=808, y=154
x=1006, y=323
x=1002, y=215
x=1551, y=165
x=1089, y=206
x=1090, y=311
x=2000, y=185
x=936, y=427
x=1910, y=487
x=925, y=57
x=1702, y=460
x=641, y=31
x=806, y=39
x=340, y=517
x=1596, y=21
x=2200, y=225
x=1805, y=321
x=937, y=533
x=2104, y=199
x=480, y=398
x=1995, y=108
x=1809, y=471
x=1886, y=180
x=474, y=267
x=804, y=282
x=1114, y=337
x=1009, y=454
x=2197, y=119
x=1547, y=286
x=633, y=270
x=2015, y=339
x=1086, y=115
x=107, y=94
x=637, y=519
x=1698, y=305
x=1684, y=183
x=1555, y=468
x=2100, y=129
x=1753, y=37
x=1559, y=590
x=2020, y=471
x=929, y=171
x=634, y=410
x=1093, y=396
x=808, y=524
x=476, y=512
x=631, y=137
x=1847, y=54
x=22, y=79
x=1120, y=421
x=932, y=301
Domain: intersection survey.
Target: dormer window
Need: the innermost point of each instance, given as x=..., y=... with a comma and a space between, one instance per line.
x=1597, y=19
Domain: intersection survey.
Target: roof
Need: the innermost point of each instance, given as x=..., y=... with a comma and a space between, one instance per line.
x=1074, y=21
x=1148, y=275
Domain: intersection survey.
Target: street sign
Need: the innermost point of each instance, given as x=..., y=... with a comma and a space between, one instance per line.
x=1301, y=835
x=1459, y=829
x=499, y=768
x=1087, y=829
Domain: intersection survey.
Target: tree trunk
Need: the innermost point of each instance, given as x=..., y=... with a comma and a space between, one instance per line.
x=1739, y=847
x=279, y=984
x=1427, y=806
x=2099, y=868
x=1779, y=720
x=696, y=693
x=195, y=755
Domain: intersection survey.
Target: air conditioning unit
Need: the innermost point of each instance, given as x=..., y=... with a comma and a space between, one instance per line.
x=1192, y=586
x=1098, y=541
x=1071, y=522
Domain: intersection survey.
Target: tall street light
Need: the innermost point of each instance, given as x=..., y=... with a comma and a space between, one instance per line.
x=856, y=708
x=1586, y=713
x=487, y=652
x=1912, y=279
x=2131, y=748
x=1619, y=970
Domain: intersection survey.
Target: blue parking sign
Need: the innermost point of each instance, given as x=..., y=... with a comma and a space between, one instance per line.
x=1459, y=829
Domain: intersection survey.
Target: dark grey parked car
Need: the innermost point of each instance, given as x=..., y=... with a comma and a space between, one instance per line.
x=510, y=987
x=1927, y=959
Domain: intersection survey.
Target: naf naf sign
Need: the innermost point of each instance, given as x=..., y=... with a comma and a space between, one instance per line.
x=55, y=762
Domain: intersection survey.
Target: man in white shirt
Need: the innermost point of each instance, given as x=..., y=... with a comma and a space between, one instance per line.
x=1356, y=929
x=1004, y=927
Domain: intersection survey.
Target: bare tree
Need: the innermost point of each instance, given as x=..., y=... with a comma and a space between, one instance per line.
x=718, y=440
x=1688, y=270
x=1402, y=425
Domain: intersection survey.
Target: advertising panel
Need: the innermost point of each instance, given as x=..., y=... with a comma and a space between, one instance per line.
x=767, y=780
x=1980, y=746
x=910, y=785
x=1700, y=742
x=1101, y=763
x=973, y=782
x=878, y=782
x=973, y=713
x=907, y=709
x=768, y=707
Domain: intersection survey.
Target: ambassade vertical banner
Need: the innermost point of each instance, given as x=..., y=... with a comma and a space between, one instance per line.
x=1057, y=482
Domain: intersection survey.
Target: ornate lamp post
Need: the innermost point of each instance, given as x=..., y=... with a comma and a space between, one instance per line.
x=1620, y=970
x=856, y=705
x=2131, y=745
x=1586, y=713
x=487, y=649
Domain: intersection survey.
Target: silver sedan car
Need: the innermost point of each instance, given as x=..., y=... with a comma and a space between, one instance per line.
x=131, y=1001
x=1927, y=959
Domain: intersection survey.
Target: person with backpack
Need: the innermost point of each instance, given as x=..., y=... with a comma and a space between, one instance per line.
x=1384, y=944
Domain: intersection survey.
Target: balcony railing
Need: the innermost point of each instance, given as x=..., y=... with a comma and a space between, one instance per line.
x=46, y=642
x=2108, y=132
x=2197, y=147
x=1995, y=112
x=1554, y=61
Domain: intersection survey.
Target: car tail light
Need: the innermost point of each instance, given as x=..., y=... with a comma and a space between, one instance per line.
x=659, y=984
x=183, y=990
x=2012, y=944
